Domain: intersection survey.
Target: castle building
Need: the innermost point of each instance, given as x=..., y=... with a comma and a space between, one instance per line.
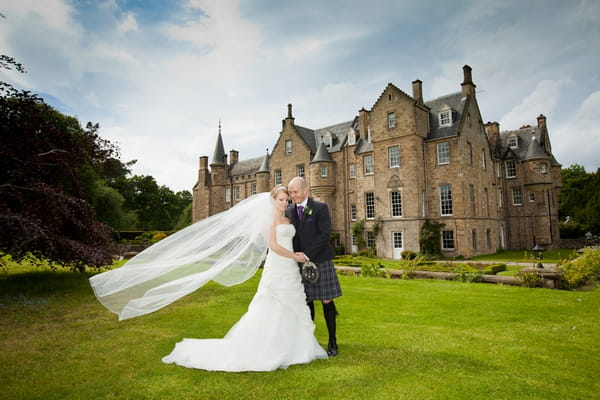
x=401, y=163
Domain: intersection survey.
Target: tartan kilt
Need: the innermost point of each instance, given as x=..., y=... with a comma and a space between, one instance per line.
x=328, y=285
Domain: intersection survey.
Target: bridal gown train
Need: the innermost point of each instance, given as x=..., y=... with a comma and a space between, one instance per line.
x=276, y=331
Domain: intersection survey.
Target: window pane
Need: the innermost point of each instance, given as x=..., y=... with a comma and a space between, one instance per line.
x=370, y=205
x=443, y=153
x=511, y=169
x=370, y=240
x=397, y=239
x=300, y=170
x=323, y=171
x=396, y=201
x=446, y=199
x=394, y=156
x=391, y=120
x=368, y=161
x=517, y=196
x=353, y=212
x=288, y=147
x=448, y=240
x=278, y=177
x=352, y=170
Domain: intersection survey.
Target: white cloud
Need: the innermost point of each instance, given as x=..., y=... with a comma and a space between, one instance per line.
x=542, y=100
x=577, y=139
x=129, y=23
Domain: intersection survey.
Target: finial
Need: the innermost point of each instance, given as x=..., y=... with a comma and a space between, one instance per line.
x=219, y=126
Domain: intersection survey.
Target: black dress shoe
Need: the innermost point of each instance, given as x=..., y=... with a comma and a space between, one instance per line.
x=332, y=349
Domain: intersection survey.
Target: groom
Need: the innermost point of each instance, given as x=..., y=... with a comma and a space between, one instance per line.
x=311, y=242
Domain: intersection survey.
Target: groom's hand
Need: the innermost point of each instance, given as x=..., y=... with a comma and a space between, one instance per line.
x=300, y=257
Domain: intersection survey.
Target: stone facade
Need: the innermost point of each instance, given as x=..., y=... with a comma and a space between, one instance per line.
x=401, y=163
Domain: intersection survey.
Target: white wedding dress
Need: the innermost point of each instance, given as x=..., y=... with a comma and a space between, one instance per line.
x=277, y=331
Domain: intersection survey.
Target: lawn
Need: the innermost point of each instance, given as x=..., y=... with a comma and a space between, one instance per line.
x=399, y=339
x=550, y=256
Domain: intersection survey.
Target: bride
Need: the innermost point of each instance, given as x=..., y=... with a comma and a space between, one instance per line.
x=276, y=331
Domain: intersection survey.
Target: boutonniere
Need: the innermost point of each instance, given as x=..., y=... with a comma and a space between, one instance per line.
x=307, y=212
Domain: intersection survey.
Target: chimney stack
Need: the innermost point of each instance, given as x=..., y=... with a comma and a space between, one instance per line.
x=233, y=157
x=468, y=87
x=417, y=87
x=541, y=119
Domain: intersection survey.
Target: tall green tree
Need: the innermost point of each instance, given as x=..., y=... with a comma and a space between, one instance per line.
x=579, y=198
x=43, y=198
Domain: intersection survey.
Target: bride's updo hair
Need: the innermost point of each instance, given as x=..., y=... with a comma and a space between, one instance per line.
x=277, y=189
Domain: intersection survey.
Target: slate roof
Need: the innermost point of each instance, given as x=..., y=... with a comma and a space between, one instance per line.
x=219, y=154
x=528, y=145
x=456, y=102
x=322, y=155
x=247, y=167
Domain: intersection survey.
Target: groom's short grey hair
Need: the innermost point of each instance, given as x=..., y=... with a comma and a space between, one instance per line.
x=299, y=180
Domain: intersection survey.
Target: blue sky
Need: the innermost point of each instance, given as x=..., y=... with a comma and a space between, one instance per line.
x=158, y=75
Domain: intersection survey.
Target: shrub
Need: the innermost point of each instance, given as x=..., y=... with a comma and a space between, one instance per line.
x=529, y=279
x=430, y=241
x=158, y=236
x=465, y=276
x=408, y=255
x=584, y=270
x=494, y=269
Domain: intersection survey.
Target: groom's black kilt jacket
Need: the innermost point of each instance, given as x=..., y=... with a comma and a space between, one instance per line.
x=313, y=232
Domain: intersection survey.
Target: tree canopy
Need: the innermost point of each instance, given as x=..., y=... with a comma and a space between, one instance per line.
x=579, y=199
x=44, y=156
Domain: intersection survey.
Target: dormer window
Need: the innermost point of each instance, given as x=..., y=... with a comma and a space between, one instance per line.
x=445, y=116
x=328, y=140
x=513, y=143
x=351, y=137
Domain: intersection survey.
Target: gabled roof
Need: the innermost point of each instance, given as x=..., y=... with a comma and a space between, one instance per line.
x=454, y=101
x=339, y=134
x=247, y=167
x=528, y=147
x=394, y=87
x=308, y=135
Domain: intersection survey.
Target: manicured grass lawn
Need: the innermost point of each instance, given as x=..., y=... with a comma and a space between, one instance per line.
x=399, y=339
x=551, y=256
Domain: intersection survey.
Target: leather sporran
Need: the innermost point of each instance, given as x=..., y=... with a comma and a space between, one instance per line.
x=310, y=272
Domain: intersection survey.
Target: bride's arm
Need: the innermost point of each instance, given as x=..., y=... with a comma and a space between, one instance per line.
x=274, y=246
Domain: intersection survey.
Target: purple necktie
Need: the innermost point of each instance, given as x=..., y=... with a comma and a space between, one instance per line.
x=299, y=208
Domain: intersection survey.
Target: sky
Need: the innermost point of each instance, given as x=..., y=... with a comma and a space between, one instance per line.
x=159, y=75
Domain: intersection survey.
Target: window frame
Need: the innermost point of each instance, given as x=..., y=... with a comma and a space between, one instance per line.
x=510, y=166
x=370, y=165
x=369, y=205
x=445, y=118
x=391, y=120
x=323, y=169
x=352, y=170
x=394, y=158
x=446, y=200
x=517, y=196
x=277, y=176
x=448, y=238
x=396, y=204
x=288, y=147
x=443, y=152
x=300, y=170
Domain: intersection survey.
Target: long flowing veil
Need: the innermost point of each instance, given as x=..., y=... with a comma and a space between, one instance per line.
x=227, y=248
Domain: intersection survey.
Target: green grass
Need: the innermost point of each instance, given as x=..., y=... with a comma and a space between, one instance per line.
x=551, y=256
x=399, y=339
